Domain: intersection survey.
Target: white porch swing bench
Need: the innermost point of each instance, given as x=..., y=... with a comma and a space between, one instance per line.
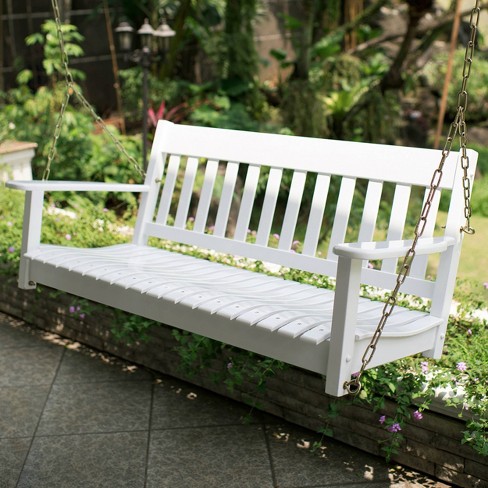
x=313, y=328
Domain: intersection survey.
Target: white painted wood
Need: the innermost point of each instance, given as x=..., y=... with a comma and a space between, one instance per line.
x=314, y=225
x=419, y=264
x=31, y=235
x=389, y=249
x=292, y=208
x=247, y=203
x=225, y=203
x=155, y=170
x=269, y=206
x=320, y=330
x=206, y=195
x=168, y=189
x=343, y=325
x=54, y=185
x=398, y=216
x=186, y=193
x=321, y=156
x=341, y=217
x=370, y=211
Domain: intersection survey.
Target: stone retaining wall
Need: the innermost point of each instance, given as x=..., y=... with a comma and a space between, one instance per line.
x=432, y=446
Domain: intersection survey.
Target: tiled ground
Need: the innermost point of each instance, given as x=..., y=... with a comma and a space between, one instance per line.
x=74, y=418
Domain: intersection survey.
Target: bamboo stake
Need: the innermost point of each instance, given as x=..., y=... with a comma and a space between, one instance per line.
x=447, y=79
x=115, y=67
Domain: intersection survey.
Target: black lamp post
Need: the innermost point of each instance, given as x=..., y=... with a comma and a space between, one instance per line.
x=144, y=57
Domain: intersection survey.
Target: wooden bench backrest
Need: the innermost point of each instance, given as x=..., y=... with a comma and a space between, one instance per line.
x=209, y=162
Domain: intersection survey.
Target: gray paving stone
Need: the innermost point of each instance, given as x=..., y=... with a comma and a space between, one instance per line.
x=295, y=465
x=114, y=460
x=178, y=404
x=218, y=457
x=13, y=335
x=20, y=409
x=85, y=367
x=96, y=407
x=12, y=455
x=29, y=365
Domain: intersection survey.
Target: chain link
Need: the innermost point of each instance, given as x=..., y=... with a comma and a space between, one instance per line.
x=458, y=126
x=72, y=89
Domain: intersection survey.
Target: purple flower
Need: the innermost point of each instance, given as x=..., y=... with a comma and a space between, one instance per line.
x=276, y=236
x=469, y=332
x=394, y=428
x=11, y=249
x=191, y=219
x=485, y=285
x=82, y=316
x=425, y=366
x=382, y=419
x=418, y=415
x=68, y=237
x=461, y=366
x=229, y=365
x=72, y=309
x=105, y=209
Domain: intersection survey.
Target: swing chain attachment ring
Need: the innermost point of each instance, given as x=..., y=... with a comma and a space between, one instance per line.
x=458, y=126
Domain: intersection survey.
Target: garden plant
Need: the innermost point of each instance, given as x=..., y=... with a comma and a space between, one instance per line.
x=353, y=95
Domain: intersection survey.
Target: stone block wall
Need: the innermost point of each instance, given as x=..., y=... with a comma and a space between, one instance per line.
x=432, y=446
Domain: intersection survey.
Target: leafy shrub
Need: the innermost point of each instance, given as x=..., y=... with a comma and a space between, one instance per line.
x=479, y=199
x=435, y=71
x=83, y=224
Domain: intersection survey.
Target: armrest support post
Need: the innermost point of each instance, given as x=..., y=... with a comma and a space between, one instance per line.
x=344, y=316
x=31, y=234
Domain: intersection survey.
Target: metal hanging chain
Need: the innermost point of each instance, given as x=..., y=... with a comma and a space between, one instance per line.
x=72, y=89
x=458, y=126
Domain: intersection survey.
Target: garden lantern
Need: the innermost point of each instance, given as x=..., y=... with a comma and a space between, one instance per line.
x=144, y=57
x=164, y=33
x=125, y=32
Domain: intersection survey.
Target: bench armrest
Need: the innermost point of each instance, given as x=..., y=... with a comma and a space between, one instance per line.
x=74, y=186
x=392, y=249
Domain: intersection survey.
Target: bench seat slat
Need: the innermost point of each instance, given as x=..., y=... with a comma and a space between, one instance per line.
x=287, y=307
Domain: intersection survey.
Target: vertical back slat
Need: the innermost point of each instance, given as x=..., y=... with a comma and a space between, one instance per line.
x=269, y=206
x=319, y=199
x=206, y=195
x=168, y=189
x=341, y=217
x=247, y=202
x=419, y=264
x=396, y=226
x=292, y=207
x=370, y=212
x=186, y=193
x=225, y=203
